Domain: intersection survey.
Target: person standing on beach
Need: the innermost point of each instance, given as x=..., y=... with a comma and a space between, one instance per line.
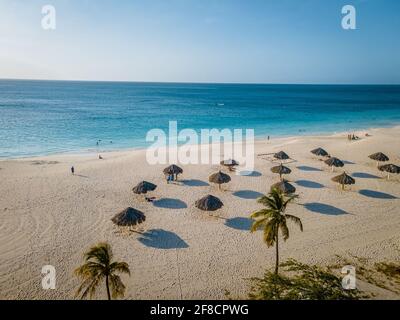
x=72, y=170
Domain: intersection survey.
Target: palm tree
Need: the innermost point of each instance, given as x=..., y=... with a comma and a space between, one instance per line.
x=98, y=266
x=273, y=218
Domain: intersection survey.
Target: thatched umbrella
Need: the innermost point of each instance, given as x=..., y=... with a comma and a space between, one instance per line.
x=320, y=152
x=281, y=156
x=219, y=178
x=229, y=163
x=173, y=169
x=144, y=187
x=209, y=203
x=379, y=157
x=129, y=217
x=334, y=162
x=284, y=186
x=281, y=169
x=344, y=179
x=390, y=168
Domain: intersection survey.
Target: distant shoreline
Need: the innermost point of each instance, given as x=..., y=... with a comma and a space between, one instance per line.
x=258, y=139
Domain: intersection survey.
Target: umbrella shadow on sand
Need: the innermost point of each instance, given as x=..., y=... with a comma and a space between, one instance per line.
x=309, y=184
x=239, y=223
x=250, y=173
x=323, y=208
x=195, y=183
x=307, y=168
x=247, y=194
x=162, y=239
x=376, y=194
x=169, y=203
x=363, y=175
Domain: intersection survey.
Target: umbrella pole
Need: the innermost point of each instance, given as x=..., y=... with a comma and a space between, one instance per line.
x=342, y=186
x=219, y=186
x=332, y=168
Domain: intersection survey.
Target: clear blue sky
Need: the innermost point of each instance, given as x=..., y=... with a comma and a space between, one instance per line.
x=266, y=41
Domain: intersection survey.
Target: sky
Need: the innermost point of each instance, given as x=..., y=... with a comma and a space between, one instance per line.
x=244, y=41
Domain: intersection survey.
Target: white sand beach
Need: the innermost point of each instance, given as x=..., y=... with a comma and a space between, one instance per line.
x=48, y=216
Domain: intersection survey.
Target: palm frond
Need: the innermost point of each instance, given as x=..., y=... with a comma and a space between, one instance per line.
x=285, y=231
x=101, y=252
x=270, y=233
x=121, y=267
x=262, y=213
x=258, y=224
x=295, y=219
x=116, y=286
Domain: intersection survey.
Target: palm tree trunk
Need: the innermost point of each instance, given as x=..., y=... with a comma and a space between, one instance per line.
x=277, y=254
x=108, y=289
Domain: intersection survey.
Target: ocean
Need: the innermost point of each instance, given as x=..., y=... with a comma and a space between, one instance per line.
x=48, y=117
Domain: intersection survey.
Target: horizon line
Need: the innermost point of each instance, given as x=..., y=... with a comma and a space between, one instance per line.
x=202, y=82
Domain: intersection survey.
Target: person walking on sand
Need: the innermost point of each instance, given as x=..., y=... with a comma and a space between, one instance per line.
x=72, y=170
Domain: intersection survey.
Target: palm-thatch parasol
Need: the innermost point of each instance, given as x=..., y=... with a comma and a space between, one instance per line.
x=281, y=169
x=173, y=169
x=229, y=163
x=144, y=187
x=129, y=217
x=344, y=179
x=284, y=186
x=334, y=162
x=209, y=203
x=219, y=178
x=320, y=152
x=281, y=156
x=390, y=168
x=379, y=157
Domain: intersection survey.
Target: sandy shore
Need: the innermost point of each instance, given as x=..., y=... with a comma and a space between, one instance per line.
x=48, y=216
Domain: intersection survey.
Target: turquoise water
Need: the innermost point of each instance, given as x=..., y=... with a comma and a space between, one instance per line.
x=45, y=117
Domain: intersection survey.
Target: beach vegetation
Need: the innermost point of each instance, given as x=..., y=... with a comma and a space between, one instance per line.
x=99, y=267
x=300, y=281
x=273, y=219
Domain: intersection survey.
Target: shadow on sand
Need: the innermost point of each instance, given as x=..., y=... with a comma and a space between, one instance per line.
x=247, y=194
x=239, y=223
x=376, y=194
x=162, y=239
x=81, y=176
x=307, y=168
x=309, y=184
x=170, y=203
x=363, y=175
x=194, y=183
x=250, y=174
x=324, y=209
